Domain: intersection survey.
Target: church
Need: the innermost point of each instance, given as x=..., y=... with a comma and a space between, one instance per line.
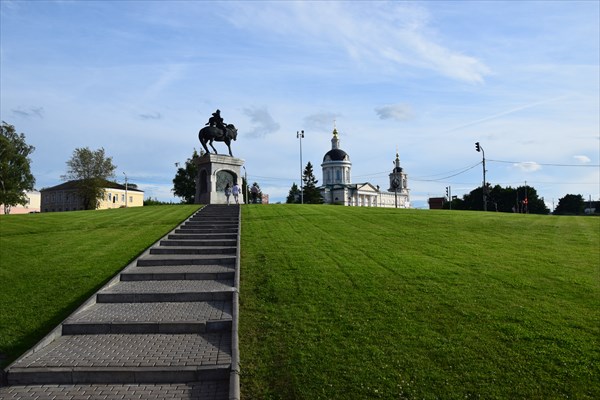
x=338, y=188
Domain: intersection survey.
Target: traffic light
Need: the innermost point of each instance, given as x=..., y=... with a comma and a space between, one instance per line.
x=477, y=147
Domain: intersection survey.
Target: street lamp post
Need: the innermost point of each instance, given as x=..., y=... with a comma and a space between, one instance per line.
x=300, y=135
x=478, y=147
x=246, y=178
x=126, y=196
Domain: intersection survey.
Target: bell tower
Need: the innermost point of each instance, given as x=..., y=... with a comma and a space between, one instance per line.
x=398, y=179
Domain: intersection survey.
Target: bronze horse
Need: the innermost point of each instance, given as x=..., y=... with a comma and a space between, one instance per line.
x=210, y=133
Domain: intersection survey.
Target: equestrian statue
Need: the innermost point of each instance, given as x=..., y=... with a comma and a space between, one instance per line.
x=217, y=130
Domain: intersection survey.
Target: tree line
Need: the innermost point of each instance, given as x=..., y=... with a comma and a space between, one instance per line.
x=523, y=199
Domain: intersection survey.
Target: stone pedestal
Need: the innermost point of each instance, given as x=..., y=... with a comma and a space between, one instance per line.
x=215, y=171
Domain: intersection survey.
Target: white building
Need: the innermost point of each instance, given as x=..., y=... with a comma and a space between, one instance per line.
x=66, y=197
x=32, y=205
x=338, y=188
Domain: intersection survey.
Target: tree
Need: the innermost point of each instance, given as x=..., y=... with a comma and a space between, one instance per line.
x=244, y=189
x=294, y=195
x=90, y=169
x=523, y=199
x=312, y=195
x=184, y=183
x=571, y=204
x=15, y=167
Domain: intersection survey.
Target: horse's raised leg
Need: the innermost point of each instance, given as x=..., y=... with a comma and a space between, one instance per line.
x=213, y=147
x=203, y=143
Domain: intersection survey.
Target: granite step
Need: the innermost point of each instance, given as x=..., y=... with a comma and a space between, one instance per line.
x=197, y=242
x=179, y=272
x=131, y=358
x=213, y=223
x=168, y=317
x=212, y=218
x=166, y=291
x=202, y=236
x=189, y=250
x=205, y=225
x=208, y=389
x=214, y=232
x=180, y=259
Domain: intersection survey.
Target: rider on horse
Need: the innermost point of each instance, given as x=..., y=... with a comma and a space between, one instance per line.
x=217, y=122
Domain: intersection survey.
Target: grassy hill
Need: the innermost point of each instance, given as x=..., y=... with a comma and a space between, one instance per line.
x=353, y=303
x=50, y=263
x=357, y=303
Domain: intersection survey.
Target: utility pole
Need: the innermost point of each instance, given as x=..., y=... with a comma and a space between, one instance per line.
x=300, y=135
x=478, y=147
x=449, y=195
x=526, y=199
x=125, y=189
x=246, y=179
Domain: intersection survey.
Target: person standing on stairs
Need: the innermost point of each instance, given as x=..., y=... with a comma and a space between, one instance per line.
x=227, y=192
x=236, y=191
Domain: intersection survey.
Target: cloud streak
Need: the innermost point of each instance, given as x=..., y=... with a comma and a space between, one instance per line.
x=528, y=166
x=391, y=34
x=152, y=115
x=29, y=112
x=507, y=112
x=321, y=121
x=398, y=112
x=262, y=121
x=582, y=159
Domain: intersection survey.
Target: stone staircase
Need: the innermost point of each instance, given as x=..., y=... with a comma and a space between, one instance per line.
x=164, y=328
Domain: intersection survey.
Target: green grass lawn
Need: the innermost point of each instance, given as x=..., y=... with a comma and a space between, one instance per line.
x=357, y=303
x=353, y=303
x=50, y=263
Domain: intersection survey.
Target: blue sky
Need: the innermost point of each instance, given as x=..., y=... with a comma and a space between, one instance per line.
x=140, y=78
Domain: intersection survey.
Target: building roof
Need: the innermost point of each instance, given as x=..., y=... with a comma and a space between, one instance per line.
x=73, y=185
x=336, y=155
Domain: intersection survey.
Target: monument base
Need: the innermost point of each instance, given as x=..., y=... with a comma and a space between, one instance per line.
x=215, y=171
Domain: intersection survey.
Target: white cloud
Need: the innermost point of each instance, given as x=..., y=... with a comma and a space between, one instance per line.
x=263, y=123
x=582, y=159
x=150, y=115
x=398, y=112
x=29, y=112
x=321, y=121
x=390, y=34
x=528, y=166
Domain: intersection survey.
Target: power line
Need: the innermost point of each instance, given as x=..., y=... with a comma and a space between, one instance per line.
x=451, y=171
x=449, y=176
x=271, y=178
x=373, y=174
x=546, y=165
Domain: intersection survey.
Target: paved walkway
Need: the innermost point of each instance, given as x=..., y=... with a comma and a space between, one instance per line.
x=164, y=328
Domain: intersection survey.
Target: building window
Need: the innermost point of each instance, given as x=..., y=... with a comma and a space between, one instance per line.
x=109, y=196
x=122, y=198
x=130, y=199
